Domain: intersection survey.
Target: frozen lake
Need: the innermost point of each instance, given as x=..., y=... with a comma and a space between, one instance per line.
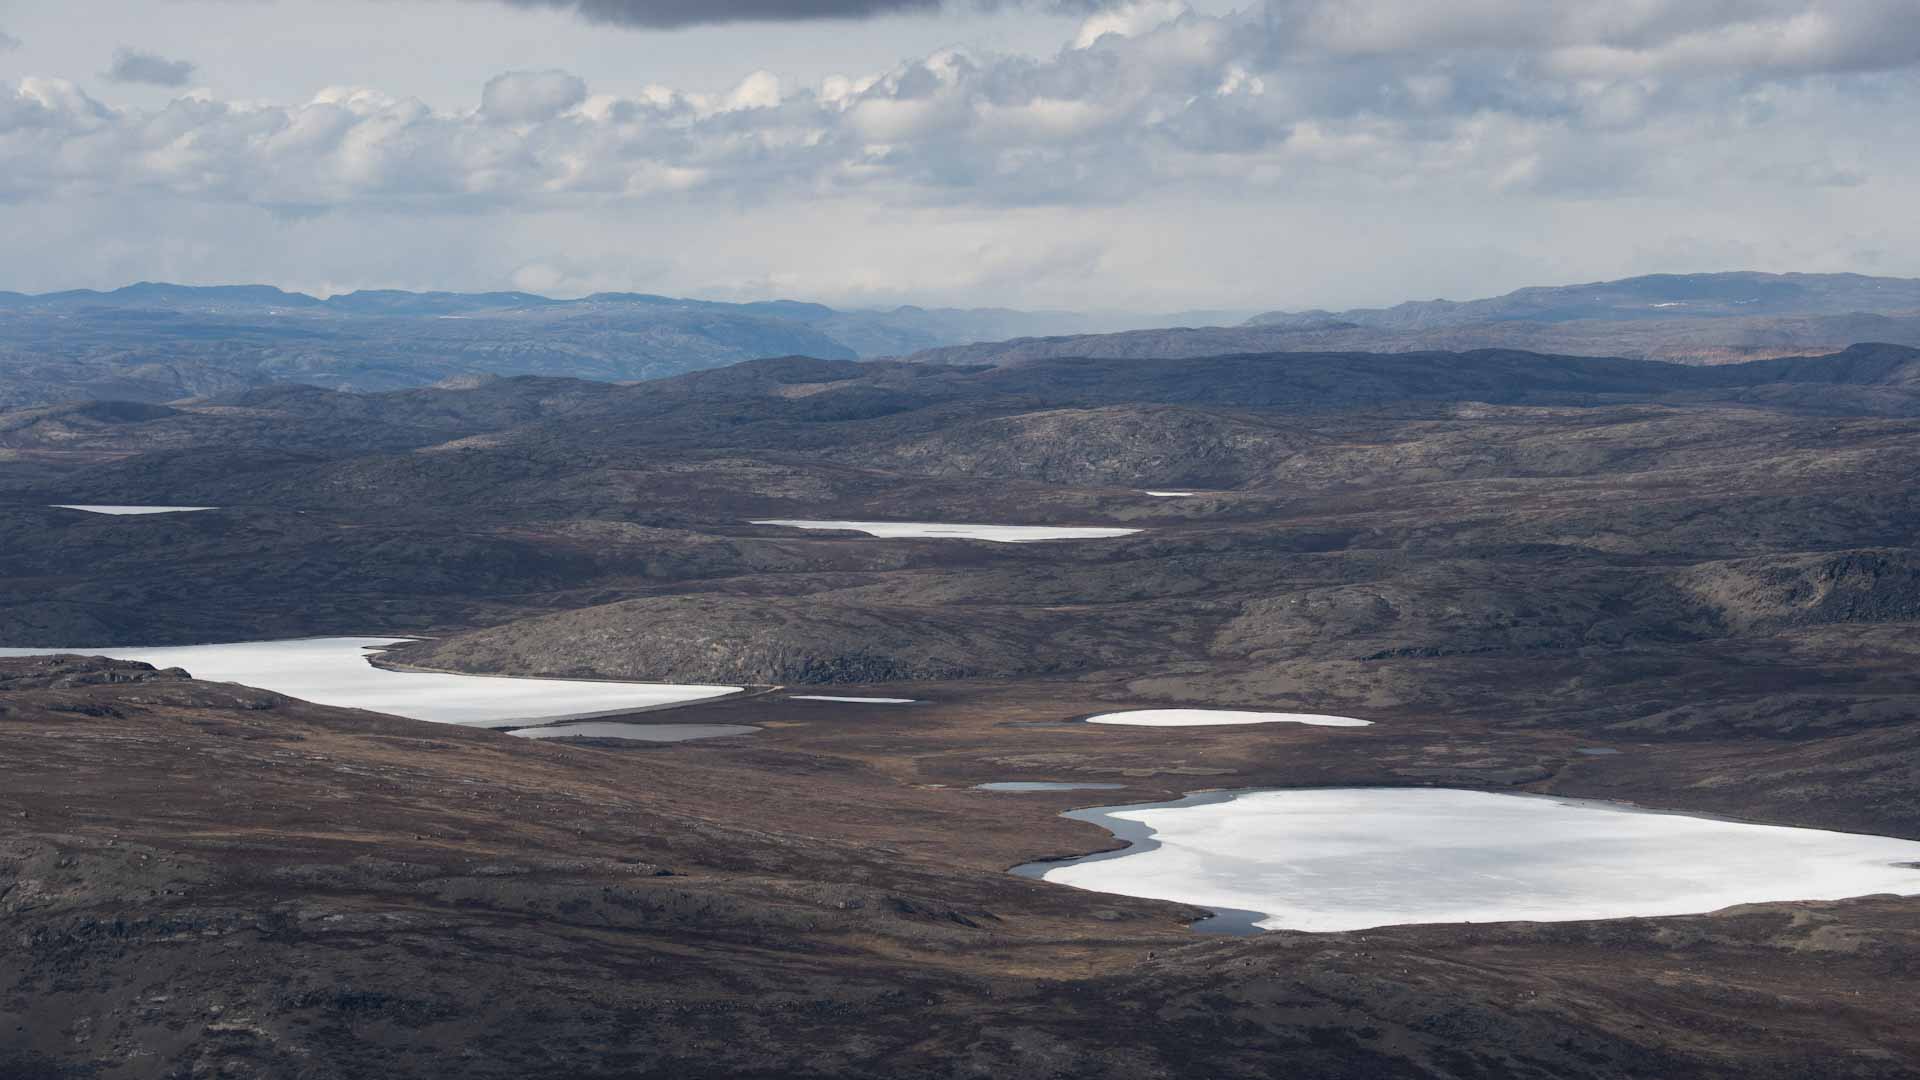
x=1219, y=718
x=132, y=509
x=1044, y=785
x=1003, y=534
x=334, y=671
x=854, y=700
x=1352, y=858
x=600, y=729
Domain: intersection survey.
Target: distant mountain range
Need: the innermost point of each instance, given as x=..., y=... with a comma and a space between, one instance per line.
x=162, y=342
x=1684, y=318
x=1654, y=297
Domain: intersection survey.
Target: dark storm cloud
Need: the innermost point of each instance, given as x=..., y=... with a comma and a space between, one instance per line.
x=134, y=66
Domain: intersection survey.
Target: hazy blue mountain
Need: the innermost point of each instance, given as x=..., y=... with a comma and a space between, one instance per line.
x=154, y=341
x=1684, y=318
x=1655, y=296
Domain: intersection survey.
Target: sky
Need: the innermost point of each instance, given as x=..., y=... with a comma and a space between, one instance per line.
x=1096, y=155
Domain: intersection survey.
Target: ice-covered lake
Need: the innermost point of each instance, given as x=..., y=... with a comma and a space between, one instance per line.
x=600, y=729
x=854, y=700
x=1044, y=785
x=1352, y=858
x=1219, y=718
x=1003, y=534
x=334, y=671
x=123, y=510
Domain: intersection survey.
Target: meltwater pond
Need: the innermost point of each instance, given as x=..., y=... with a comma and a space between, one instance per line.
x=334, y=671
x=1004, y=534
x=1353, y=858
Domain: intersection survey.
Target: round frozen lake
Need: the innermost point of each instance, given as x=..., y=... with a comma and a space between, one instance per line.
x=1352, y=858
x=335, y=671
x=1219, y=718
x=1003, y=534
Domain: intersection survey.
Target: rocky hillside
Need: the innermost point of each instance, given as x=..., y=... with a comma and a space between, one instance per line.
x=1120, y=445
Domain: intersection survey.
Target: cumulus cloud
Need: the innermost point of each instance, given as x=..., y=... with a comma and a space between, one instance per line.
x=529, y=97
x=1500, y=96
x=671, y=14
x=667, y=14
x=1773, y=36
x=135, y=66
x=1471, y=108
x=1129, y=19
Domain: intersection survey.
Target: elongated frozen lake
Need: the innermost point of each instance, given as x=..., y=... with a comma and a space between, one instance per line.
x=1002, y=534
x=1352, y=858
x=1044, y=785
x=601, y=729
x=854, y=700
x=1220, y=718
x=124, y=510
x=334, y=671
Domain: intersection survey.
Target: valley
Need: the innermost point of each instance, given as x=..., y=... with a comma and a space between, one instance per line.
x=1682, y=589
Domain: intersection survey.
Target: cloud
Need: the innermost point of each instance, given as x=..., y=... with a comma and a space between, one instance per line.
x=1502, y=97
x=135, y=66
x=667, y=14
x=673, y=14
x=1129, y=19
x=1468, y=112
x=8, y=42
x=1645, y=36
x=527, y=97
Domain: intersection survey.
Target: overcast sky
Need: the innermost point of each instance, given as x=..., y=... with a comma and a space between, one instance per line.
x=1153, y=155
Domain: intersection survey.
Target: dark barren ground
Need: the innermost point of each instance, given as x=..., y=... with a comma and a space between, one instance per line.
x=1501, y=558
